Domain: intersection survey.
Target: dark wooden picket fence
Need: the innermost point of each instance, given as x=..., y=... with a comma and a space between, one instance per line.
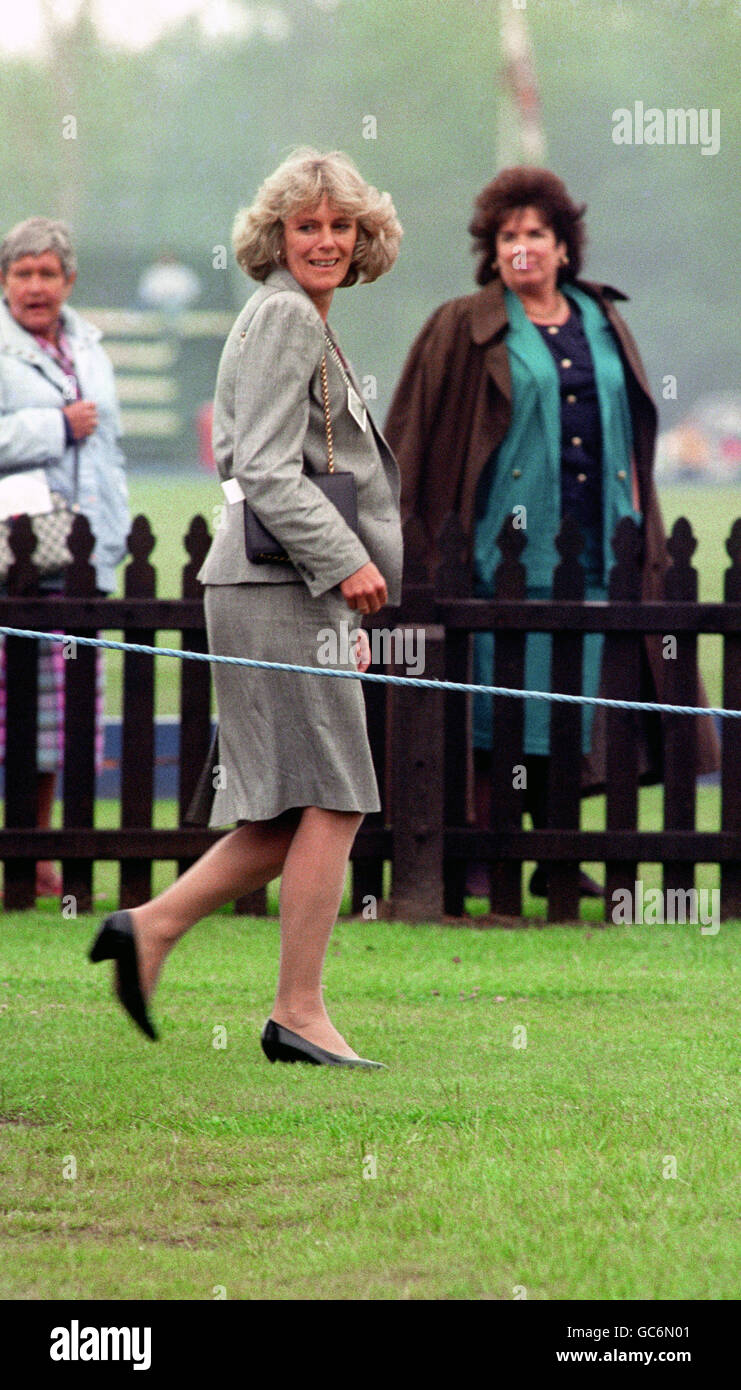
x=418, y=737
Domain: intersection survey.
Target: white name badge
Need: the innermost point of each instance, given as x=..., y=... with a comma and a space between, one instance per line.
x=356, y=408
x=232, y=491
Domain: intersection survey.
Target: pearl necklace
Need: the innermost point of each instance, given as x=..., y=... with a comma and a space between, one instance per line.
x=549, y=318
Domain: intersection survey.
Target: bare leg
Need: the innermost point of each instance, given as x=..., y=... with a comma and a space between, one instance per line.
x=244, y=860
x=310, y=896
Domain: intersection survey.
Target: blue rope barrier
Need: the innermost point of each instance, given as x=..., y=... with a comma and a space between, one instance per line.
x=458, y=687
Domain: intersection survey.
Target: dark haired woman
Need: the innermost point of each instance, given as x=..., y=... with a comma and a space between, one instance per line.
x=531, y=393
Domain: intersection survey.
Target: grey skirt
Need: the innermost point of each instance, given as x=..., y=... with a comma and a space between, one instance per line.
x=286, y=740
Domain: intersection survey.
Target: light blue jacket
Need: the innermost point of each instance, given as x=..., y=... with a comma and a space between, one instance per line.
x=33, y=390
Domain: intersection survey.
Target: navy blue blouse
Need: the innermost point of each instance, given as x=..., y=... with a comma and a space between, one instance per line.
x=581, y=433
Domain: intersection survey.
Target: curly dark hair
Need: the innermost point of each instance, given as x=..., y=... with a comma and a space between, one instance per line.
x=525, y=187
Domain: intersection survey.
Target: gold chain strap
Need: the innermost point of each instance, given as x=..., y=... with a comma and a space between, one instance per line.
x=327, y=416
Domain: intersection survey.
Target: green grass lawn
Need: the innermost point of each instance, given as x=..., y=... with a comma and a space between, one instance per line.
x=176, y=1171
x=596, y=1161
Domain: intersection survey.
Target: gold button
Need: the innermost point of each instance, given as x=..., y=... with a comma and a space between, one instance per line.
x=565, y=361
x=621, y=474
x=576, y=440
x=552, y=329
x=516, y=472
x=571, y=400
x=581, y=477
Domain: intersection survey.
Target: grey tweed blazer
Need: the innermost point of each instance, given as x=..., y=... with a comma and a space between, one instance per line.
x=269, y=435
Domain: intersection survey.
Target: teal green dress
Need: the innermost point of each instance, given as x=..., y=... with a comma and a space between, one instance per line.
x=568, y=450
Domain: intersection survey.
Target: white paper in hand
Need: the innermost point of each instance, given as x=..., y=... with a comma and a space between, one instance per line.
x=24, y=493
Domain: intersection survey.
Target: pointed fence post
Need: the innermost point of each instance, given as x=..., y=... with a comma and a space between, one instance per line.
x=417, y=597
x=621, y=668
x=78, y=809
x=507, y=766
x=367, y=872
x=21, y=723
x=414, y=741
x=680, y=688
x=731, y=732
x=564, y=787
x=417, y=789
x=195, y=681
x=452, y=581
x=137, y=736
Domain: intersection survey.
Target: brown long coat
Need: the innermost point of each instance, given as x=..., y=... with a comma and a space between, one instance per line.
x=452, y=408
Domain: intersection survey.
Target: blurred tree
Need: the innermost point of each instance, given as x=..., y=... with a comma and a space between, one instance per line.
x=171, y=140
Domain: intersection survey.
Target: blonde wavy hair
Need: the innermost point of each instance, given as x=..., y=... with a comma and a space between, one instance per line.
x=301, y=181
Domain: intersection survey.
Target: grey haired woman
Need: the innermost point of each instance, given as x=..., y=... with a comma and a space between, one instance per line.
x=58, y=413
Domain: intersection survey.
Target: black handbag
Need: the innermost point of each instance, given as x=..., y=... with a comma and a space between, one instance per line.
x=261, y=546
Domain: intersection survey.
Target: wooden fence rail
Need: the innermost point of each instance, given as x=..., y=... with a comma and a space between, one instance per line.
x=419, y=738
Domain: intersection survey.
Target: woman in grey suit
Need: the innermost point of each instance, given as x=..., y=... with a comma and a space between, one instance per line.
x=295, y=770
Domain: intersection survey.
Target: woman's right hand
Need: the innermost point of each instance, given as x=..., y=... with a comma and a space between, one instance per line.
x=82, y=417
x=366, y=589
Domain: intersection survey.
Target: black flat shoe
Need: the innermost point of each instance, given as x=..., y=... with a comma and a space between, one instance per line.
x=115, y=941
x=281, y=1045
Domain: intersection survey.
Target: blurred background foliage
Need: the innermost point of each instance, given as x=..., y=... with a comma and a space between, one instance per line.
x=173, y=138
